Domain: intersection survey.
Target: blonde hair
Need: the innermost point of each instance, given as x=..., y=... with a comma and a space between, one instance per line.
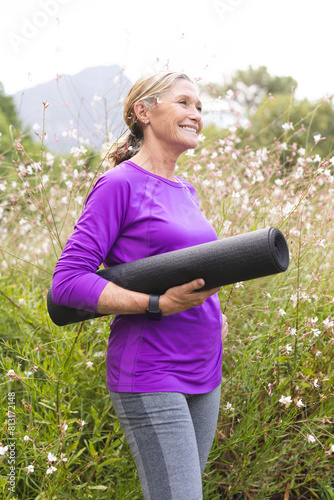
x=146, y=90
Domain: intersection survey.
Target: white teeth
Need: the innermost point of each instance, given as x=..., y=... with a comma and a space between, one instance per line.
x=191, y=129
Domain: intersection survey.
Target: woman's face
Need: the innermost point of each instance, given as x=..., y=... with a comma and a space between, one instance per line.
x=176, y=119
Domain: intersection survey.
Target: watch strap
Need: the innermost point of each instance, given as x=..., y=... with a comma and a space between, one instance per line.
x=153, y=311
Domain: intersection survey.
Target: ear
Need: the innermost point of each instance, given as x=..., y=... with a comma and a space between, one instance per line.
x=141, y=112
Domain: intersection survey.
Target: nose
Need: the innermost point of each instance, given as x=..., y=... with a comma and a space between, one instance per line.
x=195, y=114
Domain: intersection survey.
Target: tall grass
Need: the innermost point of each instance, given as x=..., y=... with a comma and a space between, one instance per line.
x=275, y=433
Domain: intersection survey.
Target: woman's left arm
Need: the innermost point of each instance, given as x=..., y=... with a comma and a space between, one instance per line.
x=224, y=328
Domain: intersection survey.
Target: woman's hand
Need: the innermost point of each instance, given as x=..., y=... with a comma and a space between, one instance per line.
x=180, y=298
x=224, y=328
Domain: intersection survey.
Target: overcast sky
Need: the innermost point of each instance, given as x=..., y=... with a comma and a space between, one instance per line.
x=208, y=39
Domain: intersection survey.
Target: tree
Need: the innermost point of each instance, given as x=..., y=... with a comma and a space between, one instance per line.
x=251, y=85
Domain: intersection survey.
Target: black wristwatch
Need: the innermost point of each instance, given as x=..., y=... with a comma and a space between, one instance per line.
x=153, y=312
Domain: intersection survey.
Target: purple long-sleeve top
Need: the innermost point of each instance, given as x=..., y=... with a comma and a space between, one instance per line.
x=131, y=214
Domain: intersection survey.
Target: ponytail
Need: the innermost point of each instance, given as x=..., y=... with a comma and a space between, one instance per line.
x=124, y=149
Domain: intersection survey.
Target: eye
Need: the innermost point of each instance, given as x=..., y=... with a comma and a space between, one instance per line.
x=199, y=108
x=183, y=102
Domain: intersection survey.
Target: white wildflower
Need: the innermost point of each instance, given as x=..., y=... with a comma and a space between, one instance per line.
x=288, y=348
x=51, y=469
x=285, y=400
x=299, y=173
x=3, y=450
x=229, y=407
x=190, y=152
x=327, y=323
x=52, y=457
x=49, y=159
x=287, y=126
x=78, y=151
x=294, y=298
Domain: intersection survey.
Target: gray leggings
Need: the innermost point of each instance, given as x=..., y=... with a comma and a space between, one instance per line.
x=170, y=436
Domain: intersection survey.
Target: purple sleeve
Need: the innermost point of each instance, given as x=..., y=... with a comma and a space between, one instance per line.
x=75, y=283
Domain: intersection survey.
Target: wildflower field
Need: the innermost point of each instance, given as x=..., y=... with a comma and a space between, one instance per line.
x=59, y=436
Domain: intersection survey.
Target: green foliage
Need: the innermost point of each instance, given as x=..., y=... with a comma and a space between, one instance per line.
x=11, y=131
x=8, y=108
x=308, y=121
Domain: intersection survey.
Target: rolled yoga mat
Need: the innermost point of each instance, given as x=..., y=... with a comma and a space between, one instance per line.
x=222, y=262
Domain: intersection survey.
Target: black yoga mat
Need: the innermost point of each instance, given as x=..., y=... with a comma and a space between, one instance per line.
x=237, y=258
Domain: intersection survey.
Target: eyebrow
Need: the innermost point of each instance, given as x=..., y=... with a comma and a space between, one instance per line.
x=187, y=96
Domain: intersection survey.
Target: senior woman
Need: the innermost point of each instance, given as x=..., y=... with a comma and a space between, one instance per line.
x=164, y=353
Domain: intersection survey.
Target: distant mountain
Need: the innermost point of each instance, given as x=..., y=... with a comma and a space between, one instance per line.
x=85, y=106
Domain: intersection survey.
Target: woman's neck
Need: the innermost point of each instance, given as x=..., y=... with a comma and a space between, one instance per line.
x=157, y=162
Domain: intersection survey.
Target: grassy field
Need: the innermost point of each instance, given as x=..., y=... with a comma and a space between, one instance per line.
x=59, y=436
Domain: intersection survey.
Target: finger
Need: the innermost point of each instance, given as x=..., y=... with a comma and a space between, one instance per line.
x=194, y=285
x=211, y=291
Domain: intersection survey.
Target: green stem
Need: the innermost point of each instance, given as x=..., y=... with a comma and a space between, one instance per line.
x=97, y=462
x=75, y=340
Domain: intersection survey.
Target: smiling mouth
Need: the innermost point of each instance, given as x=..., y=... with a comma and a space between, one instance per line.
x=189, y=129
